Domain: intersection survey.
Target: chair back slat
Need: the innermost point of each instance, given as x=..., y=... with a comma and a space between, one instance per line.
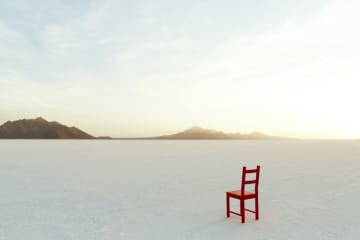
x=255, y=181
x=251, y=170
x=250, y=181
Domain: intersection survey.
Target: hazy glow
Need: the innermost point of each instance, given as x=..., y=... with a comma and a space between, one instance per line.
x=139, y=68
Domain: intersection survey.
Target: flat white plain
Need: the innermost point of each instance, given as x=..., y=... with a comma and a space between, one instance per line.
x=107, y=189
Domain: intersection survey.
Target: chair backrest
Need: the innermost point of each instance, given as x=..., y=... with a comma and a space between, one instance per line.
x=245, y=181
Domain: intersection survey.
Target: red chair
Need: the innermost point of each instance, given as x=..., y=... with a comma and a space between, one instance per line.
x=243, y=195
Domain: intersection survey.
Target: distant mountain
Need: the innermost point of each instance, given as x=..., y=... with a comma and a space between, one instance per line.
x=40, y=128
x=202, y=133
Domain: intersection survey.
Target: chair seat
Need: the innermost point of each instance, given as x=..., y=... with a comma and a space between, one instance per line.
x=237, y=194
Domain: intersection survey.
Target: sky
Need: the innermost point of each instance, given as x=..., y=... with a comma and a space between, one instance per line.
x=144, y=68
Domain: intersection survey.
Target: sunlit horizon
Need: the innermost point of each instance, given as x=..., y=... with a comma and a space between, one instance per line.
x=140, y=69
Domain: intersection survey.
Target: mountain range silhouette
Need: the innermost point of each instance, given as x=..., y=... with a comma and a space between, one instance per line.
x=40, y=128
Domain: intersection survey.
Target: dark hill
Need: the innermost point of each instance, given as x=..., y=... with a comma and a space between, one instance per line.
x=40, y=128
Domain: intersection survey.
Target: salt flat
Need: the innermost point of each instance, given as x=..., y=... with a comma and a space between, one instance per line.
x=104, y=189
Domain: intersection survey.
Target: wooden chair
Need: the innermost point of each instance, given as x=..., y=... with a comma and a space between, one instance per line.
x=243, y=195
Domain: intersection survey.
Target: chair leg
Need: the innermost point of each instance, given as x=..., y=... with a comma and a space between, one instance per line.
x=256, y=208
x=242, y=210
x=227, y=206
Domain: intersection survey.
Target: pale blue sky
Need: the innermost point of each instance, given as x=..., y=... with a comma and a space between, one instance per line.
x=143, y=68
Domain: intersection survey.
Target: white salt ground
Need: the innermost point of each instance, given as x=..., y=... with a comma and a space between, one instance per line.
x=59, y=190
